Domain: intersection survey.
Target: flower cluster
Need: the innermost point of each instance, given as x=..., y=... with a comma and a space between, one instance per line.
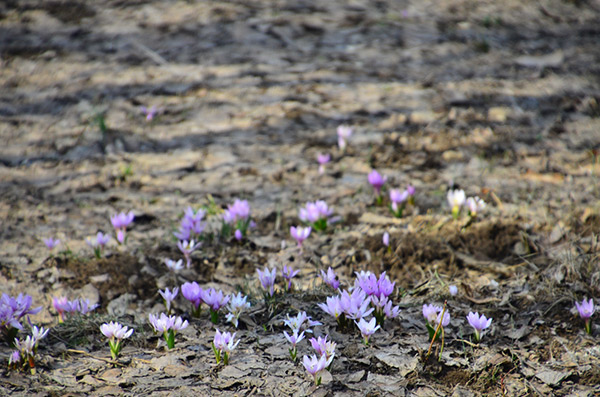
x=299, y=325
x=27, y=349
x=191, y=225
x=236, y=218
x=237, y=305
x=399, y=199
x=115, y=333
x=64, y=306
x=379, y=290
x=12, y=310
x=214, y=299
x=168, y=325
x=120, y=222
x=223, y=345
x=433, y=316
x=98, y=243
x=317, y=214
x=457, y=200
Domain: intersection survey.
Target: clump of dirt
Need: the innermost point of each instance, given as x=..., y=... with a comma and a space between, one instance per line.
x=112, y=276
x=487, y=240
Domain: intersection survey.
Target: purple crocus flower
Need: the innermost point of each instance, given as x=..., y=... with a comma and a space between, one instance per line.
x=386, y=239
x=61, y=305
x=223, y=344
x=479, y=323
x=430, y=312
x=323, y=347
x=453, y=289
x=367, y=328
x=149, y=113
x=120, y=222
x=343, y=133
x=474, y=205
x=288, y=273
x=98, y=243
x=332, y=306
x=174, y=266
x=238, y=235
x=398, y=198
x=377, y=181
x=433, y=315
x=14, y=359
x=237, y=304
x=186, y=248
x=240, y=210
x=300, y=234
x=267, y=279
x=384, y=286
x=330, y=278
x=586, y=310
x=356, y=305
x=51, y=243
x=215, y=299
x=315, y=211
x=165, y=323
x=294, y=338
x=191, y=225
x=315, y=365
x=169, y=296
x=13, y=309
x=193, y=293
x=323, y=159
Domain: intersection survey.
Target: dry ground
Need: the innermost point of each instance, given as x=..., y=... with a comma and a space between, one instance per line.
x=499, y=98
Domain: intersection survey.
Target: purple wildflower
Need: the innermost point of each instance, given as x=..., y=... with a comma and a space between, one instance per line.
x=330, y=278
x=367, y=328
x=237, y=304
x=186, y=248
x=479, y=323
x=288, y=273
x=168, y=297
x=315, y=366
x=149, y=112
x=323, y=159
x=51, y=243
x=174, y=266
x=586, y=310
x=223, y=344
x=193, y=293
x=267, y=279
x=120, y=222
x=343, y=133
x=386, y=239
x=377, y=181
x=300, y=234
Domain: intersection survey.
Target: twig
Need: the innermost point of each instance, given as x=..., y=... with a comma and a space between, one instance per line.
x=106, y=360
x=467, y=342
x=436, y=333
